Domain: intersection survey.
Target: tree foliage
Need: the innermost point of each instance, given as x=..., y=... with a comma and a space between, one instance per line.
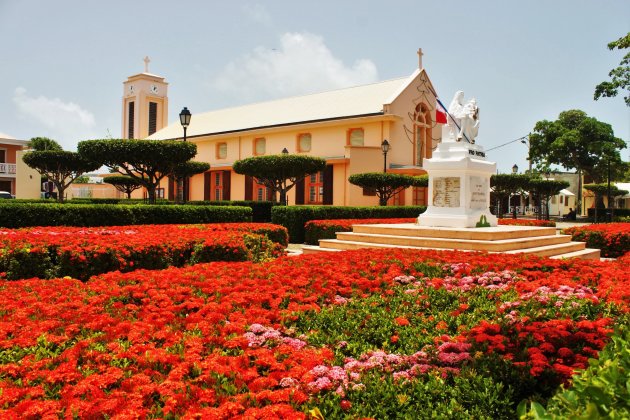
x=505, y=185
x=386, y=185
x=280, y=172
x=575, y=141
x=43, y=143
x=190, y=168
x=123, y=183
x=60, y=167
x=543, y=190
x=620, y=76
x=148, y=161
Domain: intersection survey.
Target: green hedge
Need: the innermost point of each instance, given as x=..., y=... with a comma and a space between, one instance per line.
x=601, y=214
x=261, y=210
x=295, y=217
x=25, y=215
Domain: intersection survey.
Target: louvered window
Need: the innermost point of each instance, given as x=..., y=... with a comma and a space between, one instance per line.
x=152, y=117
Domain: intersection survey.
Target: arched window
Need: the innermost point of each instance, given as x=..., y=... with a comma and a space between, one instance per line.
x=423, y=139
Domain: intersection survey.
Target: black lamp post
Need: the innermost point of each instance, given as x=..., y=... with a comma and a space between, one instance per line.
x=515, y=169
x=385, y=149
x=285, y=151
x=184, y=119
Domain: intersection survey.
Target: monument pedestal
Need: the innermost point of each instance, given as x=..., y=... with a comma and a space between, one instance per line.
x=459, y=187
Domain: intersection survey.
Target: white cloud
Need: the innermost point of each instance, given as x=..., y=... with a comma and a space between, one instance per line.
x=302, y=64
x=66, y=122
x=257, y=13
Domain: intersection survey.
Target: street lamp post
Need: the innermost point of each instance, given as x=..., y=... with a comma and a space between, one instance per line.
x=514, y=172
x=385, y=149
x=182, y=184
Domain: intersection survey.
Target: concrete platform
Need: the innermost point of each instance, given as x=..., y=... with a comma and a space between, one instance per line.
x=541, y=241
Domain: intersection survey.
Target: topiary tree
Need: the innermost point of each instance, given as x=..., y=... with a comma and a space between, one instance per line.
x=43, y=143
x=601, y=190
x=148, y=161
x=185, y=170
x=123, y=183
x=505, y=185
x=386, y=185
x=544, y=189
x=60, y=167
x=280, y=172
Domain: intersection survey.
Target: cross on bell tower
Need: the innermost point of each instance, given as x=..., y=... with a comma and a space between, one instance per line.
x=146, y=60
x=420, y=54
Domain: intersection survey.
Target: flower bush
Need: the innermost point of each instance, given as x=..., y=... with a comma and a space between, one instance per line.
x=612, y=238
x=367, y=333
x=527, y=222
x=49, y=252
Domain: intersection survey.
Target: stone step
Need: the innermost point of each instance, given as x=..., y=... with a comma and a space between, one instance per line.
x=585, y=254
x=339, y=245
x=314, y=249
x=448, y=243
x=482, y=234
x=562, y=250
x=550, y=250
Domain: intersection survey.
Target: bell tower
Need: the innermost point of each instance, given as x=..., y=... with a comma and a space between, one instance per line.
x=145, y=104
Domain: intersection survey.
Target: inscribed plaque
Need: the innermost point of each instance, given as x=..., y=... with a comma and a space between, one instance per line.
x=478, y=192
x=446, y=191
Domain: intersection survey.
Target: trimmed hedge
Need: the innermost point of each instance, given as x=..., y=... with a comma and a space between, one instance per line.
x=79, y=252
x=261, y=210
x=601, y=214
x=295, y=217
x=25, y=215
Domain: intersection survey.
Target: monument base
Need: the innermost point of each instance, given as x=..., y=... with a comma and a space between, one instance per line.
x=459, y=187
x=468, y=220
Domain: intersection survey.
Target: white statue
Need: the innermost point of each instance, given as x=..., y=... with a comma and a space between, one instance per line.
x=463, y=119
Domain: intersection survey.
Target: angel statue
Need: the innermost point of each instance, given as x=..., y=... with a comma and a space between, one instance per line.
x=463, y=118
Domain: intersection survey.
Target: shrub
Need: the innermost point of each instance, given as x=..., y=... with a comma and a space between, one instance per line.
x=314, y=230
x=295, y=217
x=261, y=210
x=600, y=391
x=24, y=215
x=81, y=253
x=527, y=222
x=612, y=238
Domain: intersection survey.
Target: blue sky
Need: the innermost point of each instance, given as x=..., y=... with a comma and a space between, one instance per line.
x=63, y=62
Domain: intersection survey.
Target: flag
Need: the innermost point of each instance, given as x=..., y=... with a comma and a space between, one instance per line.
x=440, y=114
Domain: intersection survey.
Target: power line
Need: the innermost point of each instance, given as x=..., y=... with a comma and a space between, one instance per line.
x=509, y=142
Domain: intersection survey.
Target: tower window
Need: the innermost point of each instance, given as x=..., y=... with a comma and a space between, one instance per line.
x=152, y=117
x=130, y=120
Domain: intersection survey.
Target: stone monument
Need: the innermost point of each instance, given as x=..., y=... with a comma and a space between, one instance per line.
x=459, y=174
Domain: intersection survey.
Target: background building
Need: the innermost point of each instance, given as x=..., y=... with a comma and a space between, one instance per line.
x=346, y=127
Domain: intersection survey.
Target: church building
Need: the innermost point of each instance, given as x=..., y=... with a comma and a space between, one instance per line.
x=344, y=126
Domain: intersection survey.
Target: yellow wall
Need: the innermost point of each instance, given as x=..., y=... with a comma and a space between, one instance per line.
x=27, y=180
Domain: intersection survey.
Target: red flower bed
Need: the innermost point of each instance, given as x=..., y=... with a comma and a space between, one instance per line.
x=77, y=252
x=218, y=340
x=526, y=222
x=314, y=230
x=612, y=238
